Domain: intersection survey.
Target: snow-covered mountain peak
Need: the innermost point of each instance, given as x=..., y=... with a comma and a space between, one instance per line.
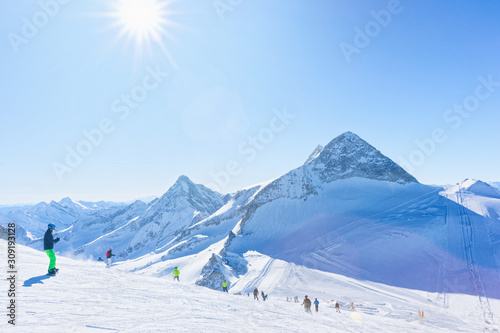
x=39, y=206
x=479, y=187
x=184, y=193
x=183, y=183
x=349, y=156
x=314, y=154
x=185, y=189
x=69, y=203
x=66, y=201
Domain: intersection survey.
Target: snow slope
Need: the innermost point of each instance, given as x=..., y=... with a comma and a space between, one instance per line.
x=86, y=297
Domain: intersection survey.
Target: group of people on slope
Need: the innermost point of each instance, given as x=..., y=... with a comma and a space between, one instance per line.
x=256, y=294
x=109, y=254
x=307, y=305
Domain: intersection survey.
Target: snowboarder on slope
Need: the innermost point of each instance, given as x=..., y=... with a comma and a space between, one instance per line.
x=256, y=294
x=224, y=286
x=262, y=294
x=48, y=246
x=109, y=254
x=307, y=304
x=176, y=274
x=316, y=304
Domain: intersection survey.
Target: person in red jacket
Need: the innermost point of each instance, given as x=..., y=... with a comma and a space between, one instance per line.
x=109, y=254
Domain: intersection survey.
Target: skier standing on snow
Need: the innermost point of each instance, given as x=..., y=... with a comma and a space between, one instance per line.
x=109, y=254
x=48, y=246
x=262, y=294
x=337, y=307
x=256, y=293
x=316, y=304
x=307, y=304
x=176, y=274
x=224, y=286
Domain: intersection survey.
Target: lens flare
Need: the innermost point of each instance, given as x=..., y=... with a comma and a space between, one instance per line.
x=144, y=22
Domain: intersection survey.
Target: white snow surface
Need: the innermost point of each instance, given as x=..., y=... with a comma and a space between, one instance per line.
x=87, y=297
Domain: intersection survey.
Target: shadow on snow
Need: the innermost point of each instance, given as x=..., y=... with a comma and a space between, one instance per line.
x=35, y=280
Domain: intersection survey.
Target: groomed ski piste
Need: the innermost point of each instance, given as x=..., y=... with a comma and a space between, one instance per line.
x=87, y=297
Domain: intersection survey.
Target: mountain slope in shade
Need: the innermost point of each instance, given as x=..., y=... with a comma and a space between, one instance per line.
x=495, y=185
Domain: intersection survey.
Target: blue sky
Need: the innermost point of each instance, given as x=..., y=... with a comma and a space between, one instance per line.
x=232, y=93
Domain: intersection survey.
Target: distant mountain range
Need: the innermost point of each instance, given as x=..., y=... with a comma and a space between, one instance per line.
x=32, y=220
x=348, y=210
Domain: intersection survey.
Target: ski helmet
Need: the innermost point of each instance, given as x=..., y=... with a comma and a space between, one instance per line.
x=51, y=226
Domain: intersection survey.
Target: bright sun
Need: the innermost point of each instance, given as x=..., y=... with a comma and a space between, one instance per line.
x=140, y=19
x=144, y=21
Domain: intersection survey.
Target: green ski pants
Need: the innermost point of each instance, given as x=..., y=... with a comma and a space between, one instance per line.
x=52, y=257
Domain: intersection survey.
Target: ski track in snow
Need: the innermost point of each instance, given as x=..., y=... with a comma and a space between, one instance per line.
x=469, y=254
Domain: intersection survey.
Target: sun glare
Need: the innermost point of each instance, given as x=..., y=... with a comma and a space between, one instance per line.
x=143, y=21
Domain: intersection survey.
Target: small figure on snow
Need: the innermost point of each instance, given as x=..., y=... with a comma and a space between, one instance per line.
x=100, y=259
x=316, y=304
x=307, y=305
x=176, y=274
x=48, y=246
x=256, y=294
x=109, y=254
x=262, y=294
x=337, y=307
x=224, y=286
x=296, y=299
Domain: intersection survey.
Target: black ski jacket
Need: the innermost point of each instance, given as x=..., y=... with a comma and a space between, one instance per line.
x=48, y=240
